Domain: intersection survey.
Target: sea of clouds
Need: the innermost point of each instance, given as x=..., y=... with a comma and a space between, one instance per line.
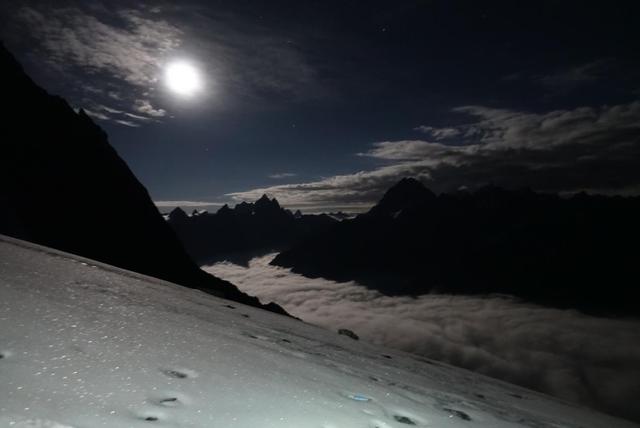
x=589, y=360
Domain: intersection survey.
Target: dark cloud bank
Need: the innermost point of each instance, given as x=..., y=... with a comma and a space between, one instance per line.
x=589, y=360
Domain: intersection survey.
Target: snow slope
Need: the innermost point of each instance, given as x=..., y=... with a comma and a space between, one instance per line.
x=84, y=345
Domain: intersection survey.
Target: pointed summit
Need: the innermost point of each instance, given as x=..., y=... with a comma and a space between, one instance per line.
x=178, y=214
x=244, y=208
x=266, y=205
x=407, y=193
x=224, y=210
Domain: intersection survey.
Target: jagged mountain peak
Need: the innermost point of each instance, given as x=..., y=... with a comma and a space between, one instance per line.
x=264, y=204
x=407, y=193
x=224, y=209
x=177, y=214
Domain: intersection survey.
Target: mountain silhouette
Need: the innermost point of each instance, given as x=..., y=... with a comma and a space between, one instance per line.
x=247, y=230
x=65, y=187
x=574, y=252
x=408, y=193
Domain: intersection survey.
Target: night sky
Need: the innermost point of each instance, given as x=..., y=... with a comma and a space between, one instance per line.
x=325, y=104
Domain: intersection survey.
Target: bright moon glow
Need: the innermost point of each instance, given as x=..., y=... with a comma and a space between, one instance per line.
x=183, y=78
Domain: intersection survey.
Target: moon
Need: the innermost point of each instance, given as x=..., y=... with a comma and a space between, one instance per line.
x=182, y=78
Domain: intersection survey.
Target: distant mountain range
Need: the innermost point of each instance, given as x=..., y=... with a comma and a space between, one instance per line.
x=65, y=187
x=246, y=230
x=578, y=252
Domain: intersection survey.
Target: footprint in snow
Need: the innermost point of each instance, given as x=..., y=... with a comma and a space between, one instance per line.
x=168, y=399
x=458, y=413
x=179, y=373
x=358, y=397
x=169, y=402
x=404, y=419
x=408, y=418
x=151, y=416
x=253, y=336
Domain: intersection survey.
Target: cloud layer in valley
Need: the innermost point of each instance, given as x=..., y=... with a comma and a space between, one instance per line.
x=585, y=148
x=593, y=361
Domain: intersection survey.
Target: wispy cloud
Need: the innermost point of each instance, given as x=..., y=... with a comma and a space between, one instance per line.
x=96, y=114
x=145, y=107
x=352, y=192
x=569, y=78
x=173, y=204
x=585, y=148
x=560, y=352
x=420, y=151
x=102, y=112
x=122, y=49
x=113, y=54
x=127, y=123
x=282, y=175
x=439, y=133
x=132, y=51
x=565, y=79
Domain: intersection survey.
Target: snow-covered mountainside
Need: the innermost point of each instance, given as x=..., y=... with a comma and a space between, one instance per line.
x=84, y=344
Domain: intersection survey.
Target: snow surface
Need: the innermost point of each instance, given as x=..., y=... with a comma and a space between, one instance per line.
x=84, y=344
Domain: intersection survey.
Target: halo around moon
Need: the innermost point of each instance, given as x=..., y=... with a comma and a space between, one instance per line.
x=182, y=78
